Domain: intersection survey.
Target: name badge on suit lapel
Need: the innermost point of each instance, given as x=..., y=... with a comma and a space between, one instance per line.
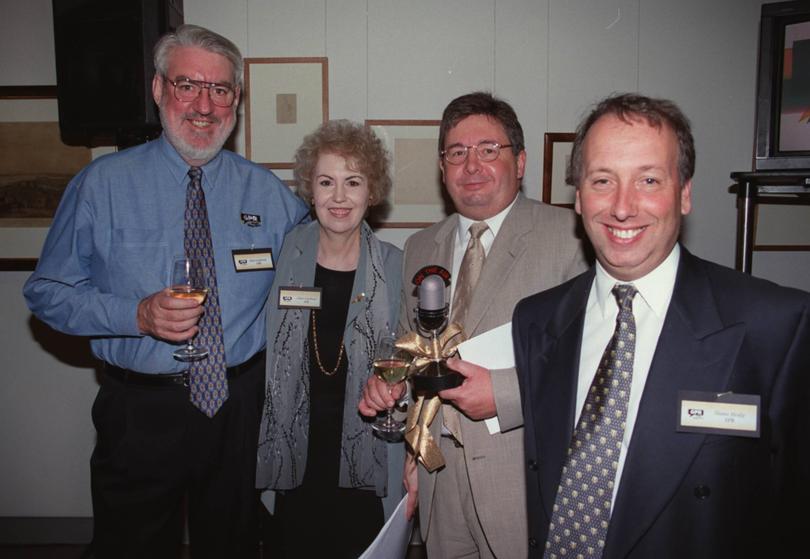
x=724, y=413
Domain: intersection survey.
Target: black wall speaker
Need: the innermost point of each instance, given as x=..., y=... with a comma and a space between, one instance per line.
x=104, y=68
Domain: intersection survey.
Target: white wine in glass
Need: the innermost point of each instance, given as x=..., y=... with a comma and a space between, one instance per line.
x=391, y=371
x=188, y=282
x=391, y=365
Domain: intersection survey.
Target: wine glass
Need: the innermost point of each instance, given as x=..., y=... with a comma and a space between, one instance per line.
x=391, y=365
x=188, y=282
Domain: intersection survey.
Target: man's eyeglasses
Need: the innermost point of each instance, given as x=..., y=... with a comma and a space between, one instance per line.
x=486, y=151
x=187, y=90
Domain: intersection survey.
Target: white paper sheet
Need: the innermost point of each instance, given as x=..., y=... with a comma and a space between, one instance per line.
x=493, y=350
x=392, y=541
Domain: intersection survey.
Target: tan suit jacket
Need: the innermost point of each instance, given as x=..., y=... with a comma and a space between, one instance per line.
x=535, y=249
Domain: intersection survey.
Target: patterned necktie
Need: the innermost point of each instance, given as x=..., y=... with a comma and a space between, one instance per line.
x=207, y=379
x=582, y=507
x=468, y=274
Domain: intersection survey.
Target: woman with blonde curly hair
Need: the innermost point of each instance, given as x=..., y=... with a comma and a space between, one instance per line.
x=320, y=456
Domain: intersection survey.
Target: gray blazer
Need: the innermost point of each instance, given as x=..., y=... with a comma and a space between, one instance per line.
x=536, y=248
x=281, y=463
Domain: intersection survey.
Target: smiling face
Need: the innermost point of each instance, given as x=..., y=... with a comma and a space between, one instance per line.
x=197, y=129
x=630, y=196
x=481, y=189
x=340, y=195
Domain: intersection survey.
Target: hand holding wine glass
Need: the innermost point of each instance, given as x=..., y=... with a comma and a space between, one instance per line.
x=188, y=282
x=391, y=365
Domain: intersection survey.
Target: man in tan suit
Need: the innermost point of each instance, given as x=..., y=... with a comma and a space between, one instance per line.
x=475, y=506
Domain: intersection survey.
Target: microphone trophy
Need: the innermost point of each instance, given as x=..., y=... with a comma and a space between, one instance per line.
x=434, y=340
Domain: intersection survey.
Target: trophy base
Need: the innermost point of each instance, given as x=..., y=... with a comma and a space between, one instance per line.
x=432, y=384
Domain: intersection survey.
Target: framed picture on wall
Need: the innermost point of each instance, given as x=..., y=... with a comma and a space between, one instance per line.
x=285, y=99
x=556, y=153
x=417, y=198
x=35, y=165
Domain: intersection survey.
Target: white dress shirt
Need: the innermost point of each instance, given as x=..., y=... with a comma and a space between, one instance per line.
x=463, y=238
x=649, y=310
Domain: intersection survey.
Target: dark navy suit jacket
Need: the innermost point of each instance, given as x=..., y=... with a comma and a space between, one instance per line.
x=683, y=494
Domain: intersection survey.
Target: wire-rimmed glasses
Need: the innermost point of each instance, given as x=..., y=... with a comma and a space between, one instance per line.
x=187, y=90
x=486, y=151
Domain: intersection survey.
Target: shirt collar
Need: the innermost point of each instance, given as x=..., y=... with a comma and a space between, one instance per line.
x=655, y=288
x=494, y=223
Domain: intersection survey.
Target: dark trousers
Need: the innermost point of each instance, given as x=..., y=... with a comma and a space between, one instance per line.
x=155, y=453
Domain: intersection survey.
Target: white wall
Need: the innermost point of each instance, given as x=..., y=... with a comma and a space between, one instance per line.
x=404, y=60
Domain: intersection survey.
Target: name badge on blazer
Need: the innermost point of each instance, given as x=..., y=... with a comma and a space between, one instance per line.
x=290, y=297
x=725, y=413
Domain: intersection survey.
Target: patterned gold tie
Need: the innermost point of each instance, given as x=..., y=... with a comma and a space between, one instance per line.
x=207, y=378
x=582, y=507
x=468, y=274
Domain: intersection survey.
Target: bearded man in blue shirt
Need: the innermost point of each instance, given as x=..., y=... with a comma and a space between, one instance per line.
x=163, y=440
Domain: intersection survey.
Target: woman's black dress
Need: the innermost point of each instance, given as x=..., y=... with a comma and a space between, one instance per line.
x=320, y=519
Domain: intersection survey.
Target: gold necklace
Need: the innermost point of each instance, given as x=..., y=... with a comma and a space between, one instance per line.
x=318, y=353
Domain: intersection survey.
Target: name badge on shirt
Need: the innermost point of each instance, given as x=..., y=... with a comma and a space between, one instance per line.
x=253, y=260
x=290, y=297
x=718, y=414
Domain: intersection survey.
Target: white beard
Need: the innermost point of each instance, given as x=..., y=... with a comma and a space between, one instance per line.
x=192, y=153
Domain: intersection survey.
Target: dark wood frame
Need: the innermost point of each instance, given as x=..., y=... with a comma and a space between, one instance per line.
x=549, y=139
x=27, y=92
x=18, y=264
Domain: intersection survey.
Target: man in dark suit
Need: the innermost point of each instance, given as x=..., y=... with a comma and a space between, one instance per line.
x=693, y=439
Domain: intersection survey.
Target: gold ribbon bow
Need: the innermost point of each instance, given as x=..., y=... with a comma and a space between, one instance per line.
x=421, y=415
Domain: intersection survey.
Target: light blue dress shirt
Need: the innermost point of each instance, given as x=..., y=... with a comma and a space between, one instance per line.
x=119, y=226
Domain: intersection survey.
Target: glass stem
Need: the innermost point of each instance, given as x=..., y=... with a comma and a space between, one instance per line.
x=390, y=419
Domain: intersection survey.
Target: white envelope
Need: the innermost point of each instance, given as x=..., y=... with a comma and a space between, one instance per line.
x=492, y=350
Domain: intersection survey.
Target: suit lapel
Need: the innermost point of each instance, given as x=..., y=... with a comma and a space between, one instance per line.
x=505, y=252
x=441, y=252
x=555, y=390
x=695, y=351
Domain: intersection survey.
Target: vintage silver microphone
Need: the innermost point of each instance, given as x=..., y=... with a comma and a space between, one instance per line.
x=431, y=321
x=431, y=310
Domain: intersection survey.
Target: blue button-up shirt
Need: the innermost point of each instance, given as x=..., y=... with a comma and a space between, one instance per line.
x=117, y=230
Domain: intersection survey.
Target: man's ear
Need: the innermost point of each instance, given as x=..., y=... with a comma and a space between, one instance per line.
x=521, y=164
x=686, y=198
x=157, y=89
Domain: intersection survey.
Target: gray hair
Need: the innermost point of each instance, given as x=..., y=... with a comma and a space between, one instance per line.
x=195, y=36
